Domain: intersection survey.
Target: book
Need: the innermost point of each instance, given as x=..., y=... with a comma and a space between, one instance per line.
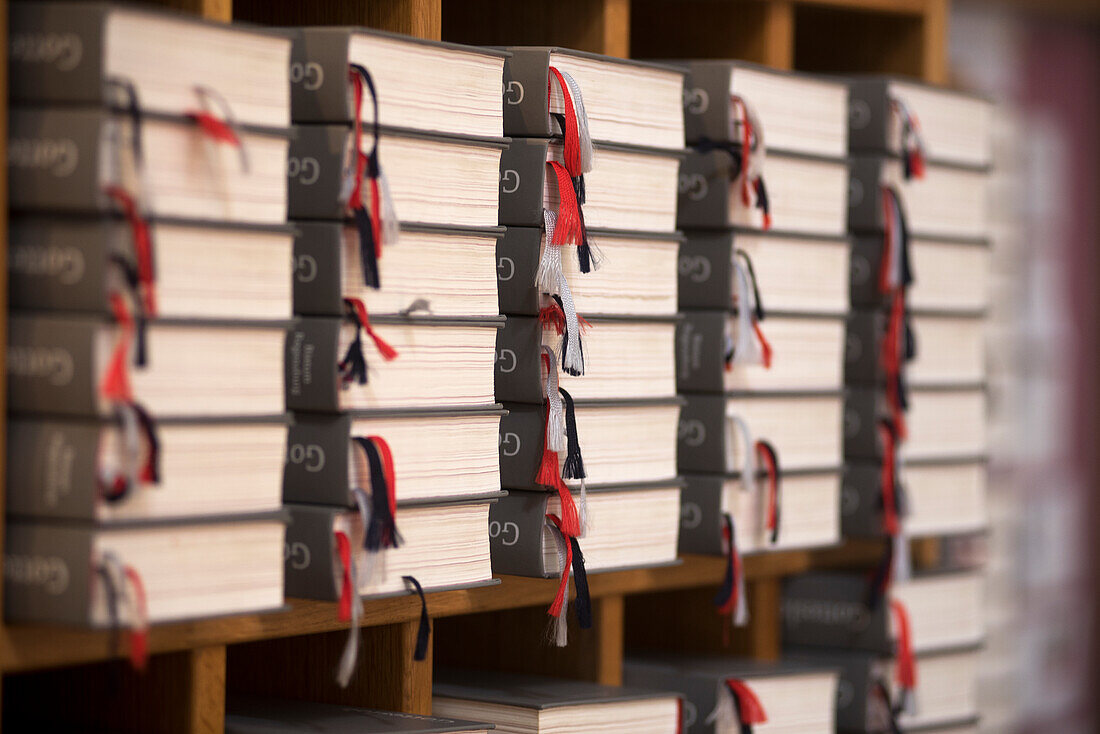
x=444, y=546
x=950, y=349
x=834, y=610
x=789, y=696
x=623, y=442
x=425, y=345
x=88, y=160
x=941, y=498
x=809, y=354
x=629, y=188
x=863, y=703
x=72, y=469
x=248, y=715
x=624, y=358
x=72, y=574
x=86, y=53
x=438, y=179
x=949, y=202
x=803, y=428
x=800, y=113
x=807, y=194
x=60, y=364
x=446, y=271
x=946, y=609
x=943, y=423
x=436, y=455
x=532, y=704
x=953, y=274
x=204, y=270
x=639, y=278
x=946, y=691
x=626, y=101
x=633, y=526
x=807, y=512
x=422, y=85
x=953, y=126
x=797, y=273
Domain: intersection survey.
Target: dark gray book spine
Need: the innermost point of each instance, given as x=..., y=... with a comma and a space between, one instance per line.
x=864, y=407
x=701, y=519
x=46, y=574
x=861, y=500
x=701, y=439
x=316, y=469
x=61, y=265
x=54, y=159
x=831, y=610
x=522, y=435
x=518, y=368
x=51, y=468
x=522, y=182
x=319, y=75
x=308, y=557
x=515, y=533
x=50, y=365
x=862, y=348
x=315, y=165
x=706, y=102
x=518, y=253
x=863, y=272
x=526, y=107
x=865, y=194
x=706, y=270
x=55, y=52
x=704, y=199
x=700, y=351
x=699, y=693
x=868, y=115
x=319, y=268
x=310, y=364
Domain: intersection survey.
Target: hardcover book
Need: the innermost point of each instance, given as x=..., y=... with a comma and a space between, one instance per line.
x=946, y=609
x=947, y=690
x=954, y=274
x=833, y=610
x=943, y=423
x=863, y=703
x=247, y=715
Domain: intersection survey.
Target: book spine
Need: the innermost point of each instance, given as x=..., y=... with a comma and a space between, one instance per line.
x=700, y=351
x=706, y=271
x=310, y=364
x=831, y=611
x=516, y=525
x=51, y=469
x=315, y=165
x=316, y=469
x=51, y=365
x=55, y=53
x=518, y=254
x=518, y=367
x=522, y=434
x=308, y=558
x=522, y=183
x=701, y=438
x=54, y=159
x=526, y=105
x=704, y=190
x=319, y=269
x=47, y=574
x=60, y=266
x=861, y=501
x=863, y=409
x=863, y=267
x=319, y=75
x=701, y=514
x=865, y=194
x=868, y=116
x=706, y=102
x=863, y=346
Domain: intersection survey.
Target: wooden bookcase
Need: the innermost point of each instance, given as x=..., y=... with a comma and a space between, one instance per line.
x=71, y=676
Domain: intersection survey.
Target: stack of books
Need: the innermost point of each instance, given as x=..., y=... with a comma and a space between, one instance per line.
x=763, y=287
x=587, y=278
x=909, y=664
x=392, y=456
x=150, y=288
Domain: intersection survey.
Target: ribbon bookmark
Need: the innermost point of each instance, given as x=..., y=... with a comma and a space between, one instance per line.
x=912, y=144
x=753, y=152
x=730, y=599
x=222, y=129
x=906, y=665
x=739, y=709
x=424, y=631
x=350, y=607
x=122, y=582
x=558, y=610
x=768, y=456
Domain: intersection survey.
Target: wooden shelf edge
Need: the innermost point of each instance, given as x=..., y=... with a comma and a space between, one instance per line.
x=34, y=647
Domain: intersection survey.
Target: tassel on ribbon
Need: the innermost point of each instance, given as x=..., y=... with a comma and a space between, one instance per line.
x=136, y=425
x=740, y=709
x=753, y=152
x=549, y=473
x=583, y=603
x=123, y=582
x=768, y=456
x=382, y=531
x=349, y=609
x=906, y=664
x=143, y=247
x=424, y=630
x=751, y=346
x=567, y=228
x=222, y=129
x=573, y=468
x=115, y=383
x=577, y=140
x=353, y=367
x=730, y=599
x=558, y=610
x=912, y=144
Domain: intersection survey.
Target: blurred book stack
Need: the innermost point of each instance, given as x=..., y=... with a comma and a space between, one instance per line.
x=763, y=278
x=392, y=456
x=587, y=278
x=150, y=288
